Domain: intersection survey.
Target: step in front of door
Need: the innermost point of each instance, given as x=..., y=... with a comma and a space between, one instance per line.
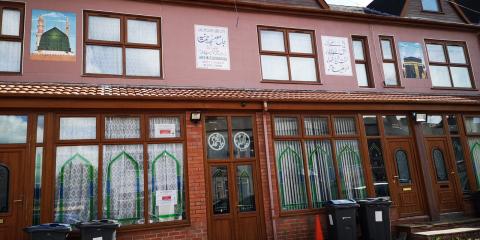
x=449, y=234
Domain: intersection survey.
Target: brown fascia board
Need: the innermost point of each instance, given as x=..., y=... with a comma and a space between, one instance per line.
x=322, y=13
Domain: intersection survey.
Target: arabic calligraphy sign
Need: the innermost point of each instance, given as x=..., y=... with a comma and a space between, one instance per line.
x=212, y=49
x=336, y=56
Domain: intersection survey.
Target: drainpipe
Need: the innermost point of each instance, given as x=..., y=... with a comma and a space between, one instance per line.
x=269, y=168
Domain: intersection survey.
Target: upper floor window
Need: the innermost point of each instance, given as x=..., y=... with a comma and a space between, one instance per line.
x=362, y=61
x=449, y=64
x=390, y=65
x=122, y=45
x=431, y=5
x=11, y=37
x=288, y=55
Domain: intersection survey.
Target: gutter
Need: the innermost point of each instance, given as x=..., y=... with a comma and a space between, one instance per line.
x=269, y=168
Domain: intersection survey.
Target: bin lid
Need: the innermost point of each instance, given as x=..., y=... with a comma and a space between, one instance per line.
x=380, y=201
x=49, y=227
x=104, y=223
x=341, y=203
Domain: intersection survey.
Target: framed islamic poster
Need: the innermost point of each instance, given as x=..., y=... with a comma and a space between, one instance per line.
x=53, y=36
x=413, y=62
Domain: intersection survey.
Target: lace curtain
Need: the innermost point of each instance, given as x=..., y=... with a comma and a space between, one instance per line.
x=77, y=128
x=159, y=123
x=76, y=184
x=122, y=127
x=166, y=186
x=11, y=22
x=123, y=183
x=11, y=53
x=144, y=32
x=350, y=168
x=291, y=175
x=103, y=60
x=103, y=28
x=142, y=62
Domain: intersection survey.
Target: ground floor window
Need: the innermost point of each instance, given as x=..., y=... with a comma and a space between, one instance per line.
x=472, y=126
x=127, y=168
x=317, y=159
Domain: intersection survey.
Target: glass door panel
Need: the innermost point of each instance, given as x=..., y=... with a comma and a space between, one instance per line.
x=220, y=194
x=245, y=189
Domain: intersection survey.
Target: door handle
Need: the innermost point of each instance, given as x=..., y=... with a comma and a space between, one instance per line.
x=395, y=179
x=18, y=201
x=453, y=173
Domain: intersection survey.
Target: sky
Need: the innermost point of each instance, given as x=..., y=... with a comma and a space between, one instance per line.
x=361, y=3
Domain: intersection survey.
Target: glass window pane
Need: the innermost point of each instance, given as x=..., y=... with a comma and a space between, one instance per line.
x=436, y=53
x=401, y=159
x=371, y=125
x=440, y=76
x=217, y=138
x=452, y=124
x=316, y=126
x=4, y=188
x=13, y=129
x=461, y=77
x=165, y=127
x=358, y=50
x=40, y=127
x=472, y=125
x=300, y=42
x=12, y=56
x=142, y=62
x=144, y=32
x=37, y=189
x=474, y=147
x=440, y=168
x=291, y=175
x=122, y=127
x=245, y=190
x=272, y=41
x=461, y=164
x=303, y=69
x=350, y=169
x=274, y=67
x=286, y=126
x=387, y=49
x=103, y=60
x=11, y=22
x=380, y=180
x=390, y=74
x=362, y=77
x=166, y=182
x=321, y=172
x=396, y=125
x=76, y=184
x=220, y=194
x=243, y=138
x=433, y=125
x=78, y=128
x=456, y=54
x=103, y=28
x=345, y=126
x=123, y=183
x=430, y=5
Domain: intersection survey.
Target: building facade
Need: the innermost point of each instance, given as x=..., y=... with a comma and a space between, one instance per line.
x=234, y=119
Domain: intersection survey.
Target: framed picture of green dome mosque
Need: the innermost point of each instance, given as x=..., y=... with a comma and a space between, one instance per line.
x=53, y=36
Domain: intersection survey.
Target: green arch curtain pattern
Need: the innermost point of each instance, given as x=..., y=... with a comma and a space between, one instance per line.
x=350, y=168
x=291, y=175
x=76, y=184
x=166, y=188
x=474, y=143
x=123, y=183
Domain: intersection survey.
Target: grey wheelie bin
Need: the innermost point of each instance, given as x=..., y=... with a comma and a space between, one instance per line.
x=476, y=202
x=98, y=229
x=342, y=219
x=49, y=231
x=375, y=218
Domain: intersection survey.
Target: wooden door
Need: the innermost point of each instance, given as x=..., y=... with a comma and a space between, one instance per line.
x=11, y=194
x=234, y=201
x=443, y=175
x=406, y=189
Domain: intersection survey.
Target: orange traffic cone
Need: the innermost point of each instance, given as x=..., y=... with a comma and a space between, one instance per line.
x=318, y=228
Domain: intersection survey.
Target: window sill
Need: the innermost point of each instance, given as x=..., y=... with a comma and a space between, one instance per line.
x=291, y=82
x=433, y=12
x=399, y=86
x=119, y=76
x=11, y=73
x=454, y=88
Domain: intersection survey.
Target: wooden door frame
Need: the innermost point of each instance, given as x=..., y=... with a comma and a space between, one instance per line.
x=228, y=162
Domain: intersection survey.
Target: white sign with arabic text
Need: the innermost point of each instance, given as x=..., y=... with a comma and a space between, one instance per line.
x=336, y=56
x=212, y=47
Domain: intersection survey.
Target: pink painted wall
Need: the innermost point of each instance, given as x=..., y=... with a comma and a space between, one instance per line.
x=179, y=50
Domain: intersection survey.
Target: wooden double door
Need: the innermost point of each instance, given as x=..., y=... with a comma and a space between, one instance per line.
x=11, y=193
x=234, y=197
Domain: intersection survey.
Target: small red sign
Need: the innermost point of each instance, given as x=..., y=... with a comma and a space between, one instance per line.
x=166, y=198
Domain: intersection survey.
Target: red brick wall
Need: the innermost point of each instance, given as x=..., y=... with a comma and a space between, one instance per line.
x=196, y=185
